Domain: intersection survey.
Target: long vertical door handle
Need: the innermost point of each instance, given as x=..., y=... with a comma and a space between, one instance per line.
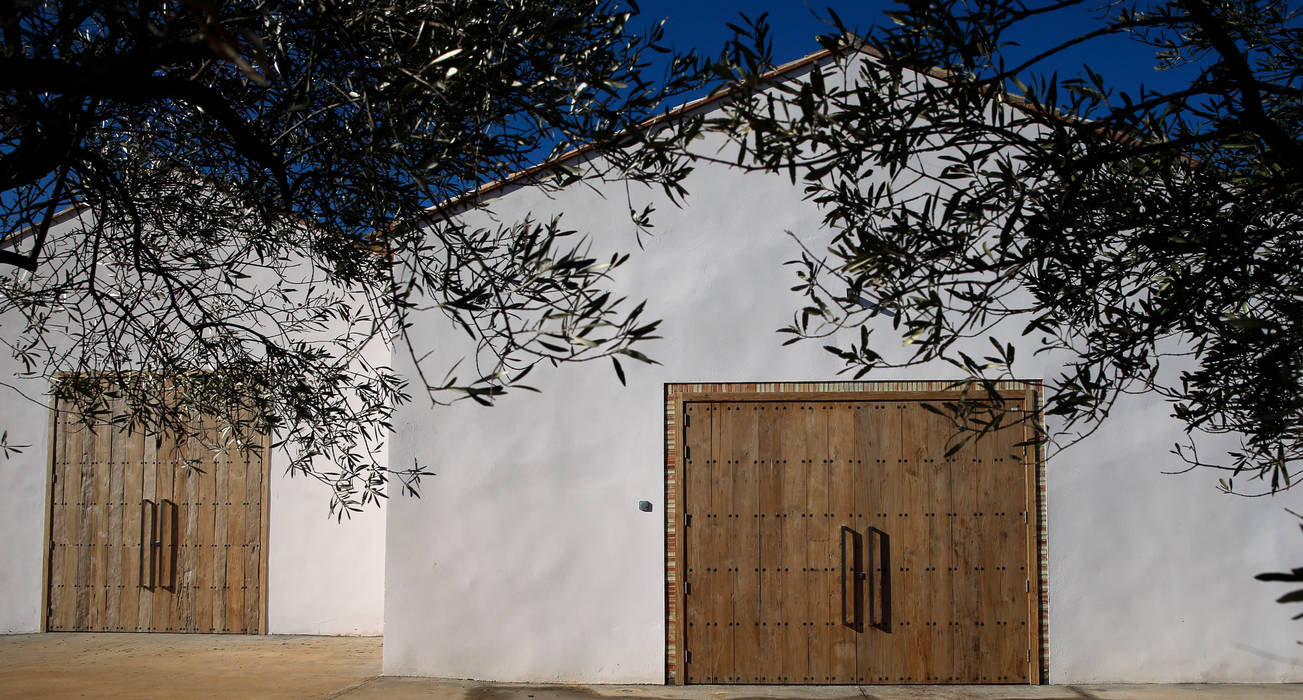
x=148, y=541
x=879, y=580
x=852, y=601
x=167, y=544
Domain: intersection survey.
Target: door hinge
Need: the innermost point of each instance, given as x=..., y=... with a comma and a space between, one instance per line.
x=688, y=655
x=1029, y=656
x=1029, y=585
x=687, y=588
x=56, y=478
x=687, y=453
x=688, y=520
x=687, y=420
x=1024, y=517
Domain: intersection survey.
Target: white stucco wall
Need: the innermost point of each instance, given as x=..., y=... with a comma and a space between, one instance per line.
x=527, y=559
x=23, y=500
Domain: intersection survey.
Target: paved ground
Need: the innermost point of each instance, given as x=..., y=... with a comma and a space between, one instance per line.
x=219, y=666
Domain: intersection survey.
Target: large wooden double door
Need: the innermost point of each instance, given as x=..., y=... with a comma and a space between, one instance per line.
x=152, y=534
x=831, y=542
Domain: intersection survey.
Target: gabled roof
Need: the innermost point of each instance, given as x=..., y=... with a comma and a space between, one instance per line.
x=685, y=108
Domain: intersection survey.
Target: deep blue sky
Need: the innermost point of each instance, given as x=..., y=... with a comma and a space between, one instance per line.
x=700, y=25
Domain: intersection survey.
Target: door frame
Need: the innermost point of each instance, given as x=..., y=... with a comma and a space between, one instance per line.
x=676, y=394
x=46, y=564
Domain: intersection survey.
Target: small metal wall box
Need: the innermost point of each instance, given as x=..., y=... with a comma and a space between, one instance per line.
x=645, y=506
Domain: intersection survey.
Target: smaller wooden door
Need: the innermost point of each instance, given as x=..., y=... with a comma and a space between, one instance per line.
x=148, y=534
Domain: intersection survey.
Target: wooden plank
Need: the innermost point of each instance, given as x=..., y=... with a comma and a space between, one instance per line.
x=253, y=542
x=968, y=553
x=148, y=491
x=99, y=546
x=842, y=468
x=995, y=541
x=940, y=434
x=185, y=602
x=770, y=505
x=87, y=532
x=823, y=556
x=718, y=559
x=118, y=540
x=797, y=423
x=916, y=590
x=164, y=597
x=206, y=511
x=1011, y=573
x=133, y=455
x=742, y=443
x=235, y=536
x=882, y=647
x=221, y=545
x=696, y=506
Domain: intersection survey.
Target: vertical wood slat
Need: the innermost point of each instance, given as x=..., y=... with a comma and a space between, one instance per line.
x=205, y=515
x=938, y=598
x=97, y=547
x=187, y=479
x=164, y=598
x=133, y=456
x=148, y=492
x=221, y=545
x=915, y=589
x=883, y=645
x=770, y=505
x=1014, y=581
x=842, y=469
x=86, y=529
x=988, y=485
x=253, y=541
x=821, y=566
x=794, y=455
x=118, y=537
x=743, y=442
x=696, y=501
x=966, y=584
x=719, y=546
x=235, y=537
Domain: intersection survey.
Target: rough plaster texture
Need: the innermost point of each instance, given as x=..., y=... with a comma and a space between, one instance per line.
x=527, y=559
x=23, y=496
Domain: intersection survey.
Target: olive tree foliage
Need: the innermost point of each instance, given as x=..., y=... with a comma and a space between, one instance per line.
x=1153, y=239
x=223, y=207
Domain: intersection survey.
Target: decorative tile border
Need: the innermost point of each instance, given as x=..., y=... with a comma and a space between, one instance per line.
x=674, y=393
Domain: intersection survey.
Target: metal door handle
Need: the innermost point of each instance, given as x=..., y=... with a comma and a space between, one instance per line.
x=852, y=604
x=167, y=538
x=880, y=584
x=148, y=542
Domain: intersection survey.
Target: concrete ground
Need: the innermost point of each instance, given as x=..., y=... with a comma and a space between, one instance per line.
x=65, y=665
